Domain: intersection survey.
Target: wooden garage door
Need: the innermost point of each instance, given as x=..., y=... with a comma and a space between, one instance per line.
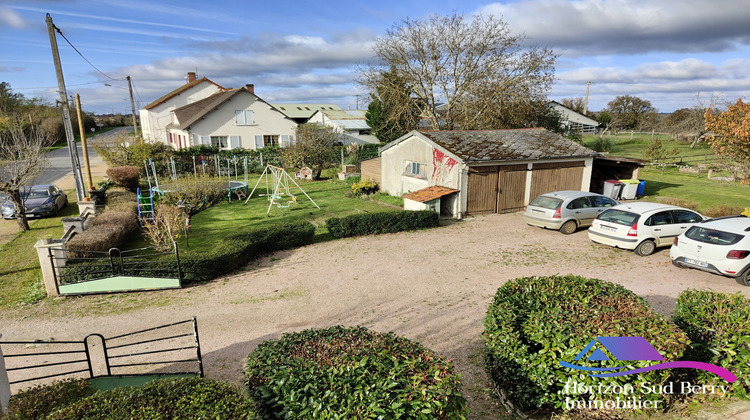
x=482, y=190
x=547, y=177
x=511, y=188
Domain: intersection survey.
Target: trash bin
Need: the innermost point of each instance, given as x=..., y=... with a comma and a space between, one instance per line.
x=641, y=188
x=612, y=188
x=629, y=189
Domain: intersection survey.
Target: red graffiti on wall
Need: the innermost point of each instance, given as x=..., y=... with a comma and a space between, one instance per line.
x=441, y=168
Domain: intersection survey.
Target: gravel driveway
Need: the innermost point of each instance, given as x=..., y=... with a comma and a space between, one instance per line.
x=430, y=286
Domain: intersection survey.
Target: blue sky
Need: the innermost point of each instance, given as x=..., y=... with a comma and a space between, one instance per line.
x=675, y=53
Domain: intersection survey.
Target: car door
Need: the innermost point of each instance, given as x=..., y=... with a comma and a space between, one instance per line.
x=582, y=210
x=683, y=219
x=662, y=227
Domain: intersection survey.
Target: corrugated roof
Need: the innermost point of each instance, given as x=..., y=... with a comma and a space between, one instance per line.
x=502, y=145
x=178, y=91
x=303, y=110
x=430, y=193
x=350, y=114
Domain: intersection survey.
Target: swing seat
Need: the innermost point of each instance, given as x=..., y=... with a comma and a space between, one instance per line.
x=282, y=206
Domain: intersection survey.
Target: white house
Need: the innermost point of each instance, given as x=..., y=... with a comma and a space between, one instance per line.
x=351, y=124
x=483, y=171
x=574, y=120
x=230, y=119
x=158, y=114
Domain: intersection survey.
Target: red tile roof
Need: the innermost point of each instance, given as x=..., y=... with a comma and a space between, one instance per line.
x=430, y=193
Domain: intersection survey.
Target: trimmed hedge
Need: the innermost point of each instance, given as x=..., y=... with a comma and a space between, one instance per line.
x=719, y=327
x=346, y=373
x=111, y=228
x=237, y=250
x=37, y=402
x=536, y=322
x=125, y=176
x=382, y=222
x=189, y=398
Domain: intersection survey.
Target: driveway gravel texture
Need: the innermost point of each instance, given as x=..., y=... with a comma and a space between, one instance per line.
x=431, y=286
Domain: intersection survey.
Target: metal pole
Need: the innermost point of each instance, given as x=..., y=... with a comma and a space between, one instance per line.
x=4, y=385
x=76, y=165
x=83, y=142
x=132, y=108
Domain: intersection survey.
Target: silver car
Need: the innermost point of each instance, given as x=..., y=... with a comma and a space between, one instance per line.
x=38, y=200
x=566, y=211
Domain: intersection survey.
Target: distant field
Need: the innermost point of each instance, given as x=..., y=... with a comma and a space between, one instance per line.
x=635, y=146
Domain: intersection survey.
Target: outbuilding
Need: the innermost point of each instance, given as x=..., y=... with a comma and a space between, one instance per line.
x=484, y=171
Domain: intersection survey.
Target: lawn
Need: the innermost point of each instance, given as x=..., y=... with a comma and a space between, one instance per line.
x=701, y=190
x=635, y=147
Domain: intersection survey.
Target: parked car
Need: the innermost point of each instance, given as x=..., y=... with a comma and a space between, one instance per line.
x=719, y=246
x=39, y=201
x=642, y=226
x=566, y=211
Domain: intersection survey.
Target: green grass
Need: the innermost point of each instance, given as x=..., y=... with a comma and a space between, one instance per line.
x=624, y=146
x=707, y=193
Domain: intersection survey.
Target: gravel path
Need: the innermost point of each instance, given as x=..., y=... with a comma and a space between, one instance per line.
x=430, y=286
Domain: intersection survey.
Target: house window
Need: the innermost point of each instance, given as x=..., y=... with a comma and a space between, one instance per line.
x=270, y=140
x=415, y=169
x=219, y=141
x=244, y=117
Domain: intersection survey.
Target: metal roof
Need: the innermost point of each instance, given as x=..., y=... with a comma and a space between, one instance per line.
x=303, y=110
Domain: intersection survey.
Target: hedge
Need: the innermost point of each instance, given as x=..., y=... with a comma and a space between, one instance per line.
x=111, y=228
x=125, y=176
x=189, y=398
x=346, y=373
x=536, y=322
x=717, y=324
x=381, y=222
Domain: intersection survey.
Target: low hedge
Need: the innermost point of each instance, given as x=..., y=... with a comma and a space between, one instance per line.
x=37, y=402
x=125, y=176
x=346, y=373
x=111, y=228
x=536, y=322
x=237, y=250
x=188, y=398
x=381, y=222
x=717, y=324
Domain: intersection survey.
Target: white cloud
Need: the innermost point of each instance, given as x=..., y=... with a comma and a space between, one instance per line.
x=8, y=17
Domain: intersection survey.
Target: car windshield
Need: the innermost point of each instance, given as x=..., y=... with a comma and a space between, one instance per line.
x=551, y=203
x=712, y=236
x=37, y=194
x=619, y=217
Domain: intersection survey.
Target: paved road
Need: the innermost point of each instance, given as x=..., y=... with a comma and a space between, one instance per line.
x=59, y=165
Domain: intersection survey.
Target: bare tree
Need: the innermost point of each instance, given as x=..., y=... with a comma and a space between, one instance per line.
x=313, y=147
x=21, y=159
x=464, y=73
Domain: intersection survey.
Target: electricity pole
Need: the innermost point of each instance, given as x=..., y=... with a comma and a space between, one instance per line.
x=586, y=101
x=132, y=108
x=75, y=163
x=83, y=142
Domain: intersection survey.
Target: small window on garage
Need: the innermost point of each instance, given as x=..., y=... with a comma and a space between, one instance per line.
x=415, y=169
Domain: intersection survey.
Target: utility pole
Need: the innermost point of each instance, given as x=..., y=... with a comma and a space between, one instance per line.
x=586, y=101
x=357, y=106
x=83, y=142
x=75, y=163
x=132, y=108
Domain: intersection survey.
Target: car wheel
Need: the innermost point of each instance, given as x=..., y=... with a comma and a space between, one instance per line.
x=645, y=248
x=678, y=264
x=744, y=278
x=568, y=227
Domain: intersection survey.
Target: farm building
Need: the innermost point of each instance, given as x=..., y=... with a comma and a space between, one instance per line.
x=482, y=171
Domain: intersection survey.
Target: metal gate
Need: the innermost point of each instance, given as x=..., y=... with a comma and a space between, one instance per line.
x=166, y=348
x=78, y=272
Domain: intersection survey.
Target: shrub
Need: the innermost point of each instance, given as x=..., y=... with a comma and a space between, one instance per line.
x=382, y=222
x=238, y=249
x=366, y=186
x=190, y=398
x=536, y=322
x=125, y=176
x=677, y=202
x=717, y=324
x=111, y=228
x=746, y=213
x=723, y=210
x=125, y=150
x=344, y=373
x=167, y=226
x=41, y=400
x=196, y=194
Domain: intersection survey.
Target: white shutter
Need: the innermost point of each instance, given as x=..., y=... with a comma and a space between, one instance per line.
x=285, y=140
x=258, y=142
x=249, y=117
x=234, y=142
x=239, y=118
x=206, y=140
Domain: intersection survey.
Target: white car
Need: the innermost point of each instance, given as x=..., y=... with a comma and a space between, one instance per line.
x=719, y=246
x=641, y=226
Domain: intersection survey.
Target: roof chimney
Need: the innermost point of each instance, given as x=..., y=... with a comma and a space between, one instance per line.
x=250, y=88
x=191, y=76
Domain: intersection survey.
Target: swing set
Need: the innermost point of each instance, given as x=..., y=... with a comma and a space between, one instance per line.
x=279, y=179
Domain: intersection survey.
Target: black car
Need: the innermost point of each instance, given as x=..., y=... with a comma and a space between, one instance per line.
x=39, y=201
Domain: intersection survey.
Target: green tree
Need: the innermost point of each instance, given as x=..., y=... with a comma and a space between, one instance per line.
x=465, y=73
x=730, y=136
x=631, y=112
x=314, y=147
x=392, y=111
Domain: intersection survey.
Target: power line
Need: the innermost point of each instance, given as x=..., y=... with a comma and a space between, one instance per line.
x=59, y=31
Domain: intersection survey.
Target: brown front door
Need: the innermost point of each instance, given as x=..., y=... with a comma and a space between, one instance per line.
x=511, y=188
x=482, y=190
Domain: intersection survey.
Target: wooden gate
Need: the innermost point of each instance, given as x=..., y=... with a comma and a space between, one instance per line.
x=482, y=190
x=511, y=188
x=558, y=176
